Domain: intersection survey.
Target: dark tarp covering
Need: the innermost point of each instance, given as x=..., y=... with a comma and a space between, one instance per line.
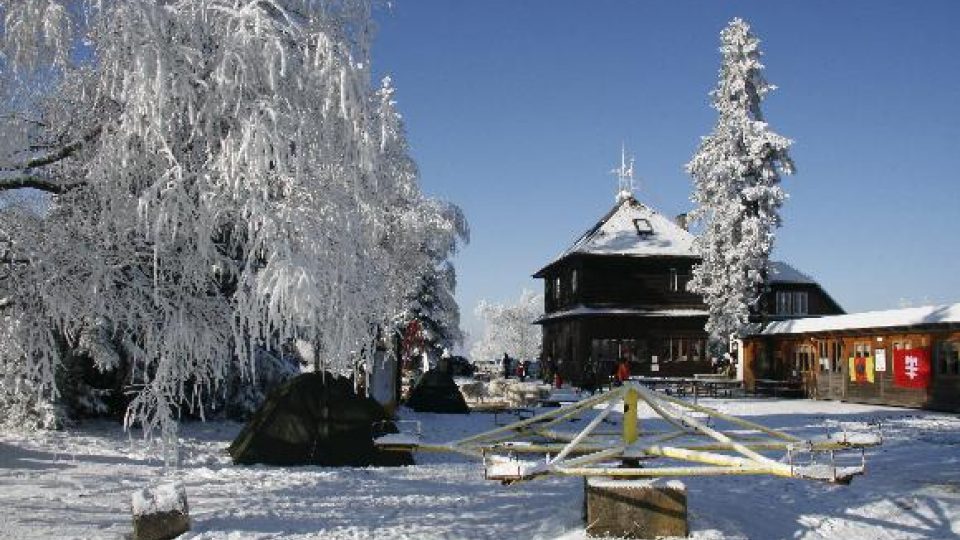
x=436, y=392
x=314, y=419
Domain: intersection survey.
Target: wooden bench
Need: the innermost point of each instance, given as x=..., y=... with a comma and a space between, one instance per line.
x=778, y=388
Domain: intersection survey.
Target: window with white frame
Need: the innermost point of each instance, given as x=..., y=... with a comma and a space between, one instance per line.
x=800, y=303
x=792, y=303
x=836, y=356
x=803, y=358
x=823, y=351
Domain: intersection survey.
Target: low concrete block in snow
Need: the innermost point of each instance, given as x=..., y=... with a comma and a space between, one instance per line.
x=635, y=508
x=160, y=512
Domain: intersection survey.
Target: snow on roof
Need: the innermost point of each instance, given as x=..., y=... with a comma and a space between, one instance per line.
x=781, y=272
x=634, y=229
x=949, y=313
x=584, y=311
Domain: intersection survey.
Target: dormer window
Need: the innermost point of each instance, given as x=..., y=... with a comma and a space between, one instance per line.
x=792, y=303
x=643, y=227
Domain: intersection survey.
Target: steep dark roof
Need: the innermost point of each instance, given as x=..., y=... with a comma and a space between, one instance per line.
x=632, y=229
x=781, y=272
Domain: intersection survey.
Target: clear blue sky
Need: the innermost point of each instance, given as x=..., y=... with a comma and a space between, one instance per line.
x=516, y=110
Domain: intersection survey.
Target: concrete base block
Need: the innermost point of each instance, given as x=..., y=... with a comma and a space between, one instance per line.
x=160, y=512
x=635, y=508
x=160, y=526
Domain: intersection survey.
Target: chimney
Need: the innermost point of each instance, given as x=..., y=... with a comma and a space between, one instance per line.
x=682, y=222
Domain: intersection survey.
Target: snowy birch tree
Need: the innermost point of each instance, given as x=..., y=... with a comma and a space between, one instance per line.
x=510, y=328
x=426, y=234
x=219, y=179
x=736, y=175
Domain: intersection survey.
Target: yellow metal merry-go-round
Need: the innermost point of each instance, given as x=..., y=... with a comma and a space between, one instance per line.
x=690, y=440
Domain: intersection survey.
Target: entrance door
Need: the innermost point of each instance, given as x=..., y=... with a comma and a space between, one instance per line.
x=804, y=368
x=830, y=369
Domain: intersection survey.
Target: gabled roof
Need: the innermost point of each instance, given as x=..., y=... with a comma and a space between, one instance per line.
x=632, y=229
x=781, y=272
x=894, y=318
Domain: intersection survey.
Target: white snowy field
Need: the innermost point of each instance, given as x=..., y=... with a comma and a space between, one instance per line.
x=78, y=484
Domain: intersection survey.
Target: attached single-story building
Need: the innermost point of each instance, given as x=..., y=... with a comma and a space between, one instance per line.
x=905, y=357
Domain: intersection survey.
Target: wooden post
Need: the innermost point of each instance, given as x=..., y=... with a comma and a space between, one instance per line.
x=630, y=398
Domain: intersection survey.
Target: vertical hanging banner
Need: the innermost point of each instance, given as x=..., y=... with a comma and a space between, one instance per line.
x=911, y=367
x=861, y=369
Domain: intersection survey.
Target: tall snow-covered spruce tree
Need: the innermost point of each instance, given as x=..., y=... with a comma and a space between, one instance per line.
x=737, y=193
x=218, y=179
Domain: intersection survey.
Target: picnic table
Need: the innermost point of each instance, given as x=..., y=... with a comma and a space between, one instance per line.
x=698, y=385
x=778, y=387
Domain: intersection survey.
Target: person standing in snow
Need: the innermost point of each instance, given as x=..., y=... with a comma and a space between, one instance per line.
x=590, y=377
x=521, y=371
x=623, y=371
x=506, y=366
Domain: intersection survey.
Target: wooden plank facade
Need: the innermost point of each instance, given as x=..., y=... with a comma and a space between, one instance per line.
x=822, y=361
x=621, y=292
x=599, y=309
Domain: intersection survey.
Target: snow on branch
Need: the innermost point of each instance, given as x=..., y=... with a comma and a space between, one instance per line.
x=254, y=190
x=509, y=328
x=36, y=182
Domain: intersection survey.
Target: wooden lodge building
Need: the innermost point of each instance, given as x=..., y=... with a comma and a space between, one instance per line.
x=906, y=357
x=620, y=291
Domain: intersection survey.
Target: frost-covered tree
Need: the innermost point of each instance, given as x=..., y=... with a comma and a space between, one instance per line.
x=219, y=180
x=435, y=308
x=425, y=234
x=509, y=328
x=736, y=175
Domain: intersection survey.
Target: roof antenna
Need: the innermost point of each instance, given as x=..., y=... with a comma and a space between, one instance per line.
x=624, y=176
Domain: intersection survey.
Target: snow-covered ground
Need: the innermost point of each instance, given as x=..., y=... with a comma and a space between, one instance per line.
x=78, y=484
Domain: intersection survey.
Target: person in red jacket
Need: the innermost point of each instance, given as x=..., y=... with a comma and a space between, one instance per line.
x=623, y=371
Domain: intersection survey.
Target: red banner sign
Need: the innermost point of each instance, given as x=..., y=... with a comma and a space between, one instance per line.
x=911, y=368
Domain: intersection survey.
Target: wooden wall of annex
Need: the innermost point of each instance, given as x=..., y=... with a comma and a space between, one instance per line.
x=784, y=358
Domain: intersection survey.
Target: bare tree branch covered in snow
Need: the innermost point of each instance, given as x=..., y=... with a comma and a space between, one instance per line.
x=426, y=233
x=736, y=174
x=509, y=328
x=221, y=178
